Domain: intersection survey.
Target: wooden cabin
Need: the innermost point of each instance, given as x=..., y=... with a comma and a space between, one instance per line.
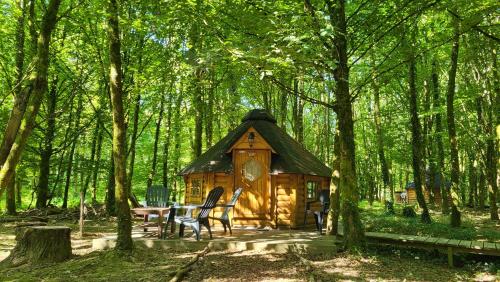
x=277, y=174
x=436, y=198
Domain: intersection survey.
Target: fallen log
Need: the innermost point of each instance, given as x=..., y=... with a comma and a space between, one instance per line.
x=8, y=219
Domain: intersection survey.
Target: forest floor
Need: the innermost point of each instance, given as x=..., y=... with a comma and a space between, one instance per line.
x=156, y=264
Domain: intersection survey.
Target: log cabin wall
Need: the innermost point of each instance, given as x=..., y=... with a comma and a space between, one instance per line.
x=285, y=185
x=288, y=197
x=412, y=196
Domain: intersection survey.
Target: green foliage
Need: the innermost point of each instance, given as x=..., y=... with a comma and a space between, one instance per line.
x=245, y=55
x=408, y=211
x=376, y=220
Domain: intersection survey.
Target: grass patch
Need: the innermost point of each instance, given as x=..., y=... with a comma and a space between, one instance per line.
x=375, y=219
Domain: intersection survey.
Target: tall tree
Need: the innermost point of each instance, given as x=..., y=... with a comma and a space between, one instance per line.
x=133, y=141
x=20, y=126
x=124, y=225
x=416, y=136
x=438, y=139
x=450, y=117
x=20, y=97
x=96, y=167
x=47, y=148
x=492, y=155
x=152, y=173
x=10, y=201
x=166, y=144
x=71, y=156
x=353, y=229
x=334, y=209
x=380, y=140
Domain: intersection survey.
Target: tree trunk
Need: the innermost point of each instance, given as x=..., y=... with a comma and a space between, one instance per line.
x=37, y=86
x=32, y=28
x=46, y=154
x=334, y=210
x=353, y=229
x=20, y=97
x=427, y=144
x=19, y=187
x=283, y=109
x=96, y=168
x=71, y=156
x=124, y=224
x=166, y=145
x=177, y=144
x=380, y=140
x=416, y=141
x=209, y=111
x=472, y=178
x=152, y=173
x=299, y=112
x=40, y=244
x=455, y=220
x=110, y=188
x=10, y=202
x=492, y=144
x=90, y=170
x=198, y=118
x=133, y=140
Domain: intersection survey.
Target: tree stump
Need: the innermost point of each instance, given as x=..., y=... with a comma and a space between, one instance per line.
x=40, y=244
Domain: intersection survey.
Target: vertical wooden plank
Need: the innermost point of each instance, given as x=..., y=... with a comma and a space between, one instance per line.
x=450, y=256
x=293, y=199
x=274, y=219
x=187, y=194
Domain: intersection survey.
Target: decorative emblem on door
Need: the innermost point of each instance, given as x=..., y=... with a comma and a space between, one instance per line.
x=252, y=170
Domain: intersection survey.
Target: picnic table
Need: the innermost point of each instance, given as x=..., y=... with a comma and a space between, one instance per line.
x=161, y=212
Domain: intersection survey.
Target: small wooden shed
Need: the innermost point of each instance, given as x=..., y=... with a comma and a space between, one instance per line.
x=427, y=189
x=277, y=174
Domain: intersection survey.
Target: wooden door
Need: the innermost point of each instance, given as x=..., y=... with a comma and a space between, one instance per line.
x=251, y=172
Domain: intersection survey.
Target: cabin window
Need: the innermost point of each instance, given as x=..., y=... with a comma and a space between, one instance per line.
x=196, y=187
x=312, y=189
x=252, y=170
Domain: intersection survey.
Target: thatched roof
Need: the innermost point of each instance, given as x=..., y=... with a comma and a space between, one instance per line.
x=290, y=157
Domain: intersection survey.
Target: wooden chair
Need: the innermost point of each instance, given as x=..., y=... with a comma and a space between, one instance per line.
x=202, y=218
x=319, y=215
x=156, y=196
x=224, y=218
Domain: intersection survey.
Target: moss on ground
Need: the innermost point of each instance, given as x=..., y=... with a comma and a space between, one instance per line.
x=140, y=265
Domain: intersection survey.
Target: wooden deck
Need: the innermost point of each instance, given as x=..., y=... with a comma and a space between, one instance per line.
x=450, y=246
x=278, y=241
x=281, y=240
